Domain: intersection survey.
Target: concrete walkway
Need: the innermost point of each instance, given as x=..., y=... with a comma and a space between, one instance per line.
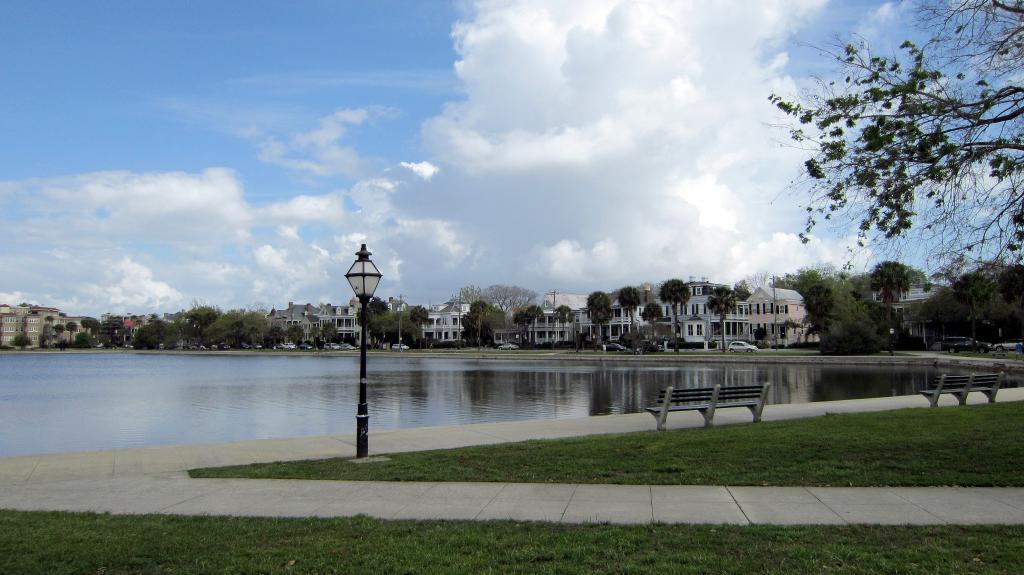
x=152, y=480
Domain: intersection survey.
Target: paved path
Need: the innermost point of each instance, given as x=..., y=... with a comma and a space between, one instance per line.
x=176, y=494
x=152, y=480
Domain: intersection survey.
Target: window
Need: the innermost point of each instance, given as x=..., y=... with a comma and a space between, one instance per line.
x=700, y=329
x=698, y=290
x=689, y=329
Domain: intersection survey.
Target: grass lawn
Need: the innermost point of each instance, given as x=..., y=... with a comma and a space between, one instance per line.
x=72, y=543
x=976, y=445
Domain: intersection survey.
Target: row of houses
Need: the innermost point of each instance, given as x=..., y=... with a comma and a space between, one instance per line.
x=774, y=314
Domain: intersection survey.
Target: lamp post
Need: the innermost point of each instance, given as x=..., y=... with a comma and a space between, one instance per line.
x=363, y=276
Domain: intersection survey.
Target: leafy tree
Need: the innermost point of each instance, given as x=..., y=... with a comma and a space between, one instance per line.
x=21, y=341
x=852, y=334
x=1011, y=287
x=113, y=330
x=742, y=290
x=71, y=326
x=890, y=279
x=819, y=302
x=722, y=301
x=599, y=305
x=151, y=335
x=275, y=334
x=294, y=333
x=199, y=318
x=81, y=341
x=629, y=300
x=974, y=289
x=419, y=316
x=91, y=324
x=929, y=140
x=535, y=313
x=676, y=293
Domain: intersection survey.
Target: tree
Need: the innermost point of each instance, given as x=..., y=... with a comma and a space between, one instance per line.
x=534, y=313
x=508, y=298
x=150, y=336
x=564, y=316
x=199, y=318
x=974, y=289
x=21, y=341
x=81, y=341
x=419, y=316
x=819, y=302
x=722, y=301
x=890, y=279
x=742, y=290
x=91, y=324
x=113, y=330
x=629, y=300
x=651, y=313
x=1011, y=287
x=294, y=333
x=475, y=320
x=599, y=305
x=676, y=293
x=72, y=327
x=930, y=140
x=275, y=334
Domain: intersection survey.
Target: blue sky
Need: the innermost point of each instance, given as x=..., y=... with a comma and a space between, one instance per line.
x=238, y=152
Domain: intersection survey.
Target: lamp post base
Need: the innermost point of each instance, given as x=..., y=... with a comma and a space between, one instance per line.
x=362, y=432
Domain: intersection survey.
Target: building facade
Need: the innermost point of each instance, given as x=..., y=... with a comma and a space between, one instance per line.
x=43, y=326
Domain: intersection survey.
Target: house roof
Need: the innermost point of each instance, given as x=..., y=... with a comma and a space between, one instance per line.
x=573, y=300
x=781, y=294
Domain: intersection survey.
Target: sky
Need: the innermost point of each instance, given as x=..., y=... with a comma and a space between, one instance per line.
x=237, y=153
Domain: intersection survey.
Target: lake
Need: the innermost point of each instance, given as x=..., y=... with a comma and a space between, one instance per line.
x=75, y=402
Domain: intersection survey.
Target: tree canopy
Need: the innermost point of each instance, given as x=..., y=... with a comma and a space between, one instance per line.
x=927, y=142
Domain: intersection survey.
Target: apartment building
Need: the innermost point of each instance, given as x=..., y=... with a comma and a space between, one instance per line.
x=43, y=325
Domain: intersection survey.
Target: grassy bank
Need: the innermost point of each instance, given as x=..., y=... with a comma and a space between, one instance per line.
x=66, y=543
x=976, y=445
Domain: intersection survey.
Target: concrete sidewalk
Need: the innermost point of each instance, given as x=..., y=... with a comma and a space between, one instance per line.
x=629, y=504
x=152, y=480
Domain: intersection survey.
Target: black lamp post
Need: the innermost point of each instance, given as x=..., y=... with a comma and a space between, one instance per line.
x=364, y=277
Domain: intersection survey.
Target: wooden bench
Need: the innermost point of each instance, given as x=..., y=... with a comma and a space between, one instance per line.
x=961, y=385
x=707, y=399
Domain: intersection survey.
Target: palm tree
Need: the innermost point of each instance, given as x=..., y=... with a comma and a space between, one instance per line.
x=564, y=315
x=722, y=301
x=629, y=299
x=676, y=293
x=419, y=316
x=975, y=289
x=72, y=327
x=599, y=305
x=890, y=279
x=651, y=313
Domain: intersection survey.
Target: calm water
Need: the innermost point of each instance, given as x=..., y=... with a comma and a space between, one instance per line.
x=56, y=403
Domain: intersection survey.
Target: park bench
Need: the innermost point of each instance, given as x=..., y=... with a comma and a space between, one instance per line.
x=961, y=385
x=707, y=399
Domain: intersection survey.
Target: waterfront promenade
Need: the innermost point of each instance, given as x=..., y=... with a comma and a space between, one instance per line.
x=153, y=480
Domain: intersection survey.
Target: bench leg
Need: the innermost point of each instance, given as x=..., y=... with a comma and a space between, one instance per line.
x=709, y=416
x=961, y=397
x=933, y=400
x=756, y=410
x=995, y=388
x=663, y=416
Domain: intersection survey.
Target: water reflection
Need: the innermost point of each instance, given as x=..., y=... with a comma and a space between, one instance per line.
x=51, y=403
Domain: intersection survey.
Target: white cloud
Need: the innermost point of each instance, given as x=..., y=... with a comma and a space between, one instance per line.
x=320, y=151
x=131, y=286
x=425, y=170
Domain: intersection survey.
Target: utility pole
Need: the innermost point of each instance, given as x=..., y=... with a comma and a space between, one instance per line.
x=400, y=312
x=775, y=320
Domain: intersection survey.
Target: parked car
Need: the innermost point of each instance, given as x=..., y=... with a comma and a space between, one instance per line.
x=958, y=344
x=741, y=346
x=346, y=346
x=400, y=346
x=305, y=346
x=614, y=346
x=1008, y=345
x=508, y=346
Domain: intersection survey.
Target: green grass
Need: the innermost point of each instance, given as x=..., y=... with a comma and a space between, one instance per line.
x=72, y=543
x=976, y=445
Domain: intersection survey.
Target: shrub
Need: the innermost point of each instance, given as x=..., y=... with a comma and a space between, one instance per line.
x=81, y=341
x=851, y=336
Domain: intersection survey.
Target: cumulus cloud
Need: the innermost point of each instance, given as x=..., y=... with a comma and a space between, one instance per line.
x=131, y=285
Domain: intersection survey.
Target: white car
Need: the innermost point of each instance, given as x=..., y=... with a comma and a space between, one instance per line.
x=508, y=346
x=742, y=346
